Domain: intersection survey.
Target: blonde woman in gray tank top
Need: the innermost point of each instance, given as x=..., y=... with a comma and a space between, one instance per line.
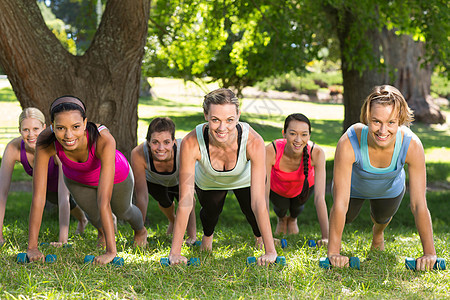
x=155, y=166
x=227, y=139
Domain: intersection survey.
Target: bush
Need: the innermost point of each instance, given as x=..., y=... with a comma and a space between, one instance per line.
x=307, y=83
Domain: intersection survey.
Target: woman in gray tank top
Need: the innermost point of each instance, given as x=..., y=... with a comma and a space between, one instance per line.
x=218, y=156
x=155, y=166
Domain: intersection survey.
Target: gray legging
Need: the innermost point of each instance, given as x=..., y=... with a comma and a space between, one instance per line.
x=86, y=197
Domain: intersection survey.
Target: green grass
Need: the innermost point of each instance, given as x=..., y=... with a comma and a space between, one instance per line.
x=223, y=273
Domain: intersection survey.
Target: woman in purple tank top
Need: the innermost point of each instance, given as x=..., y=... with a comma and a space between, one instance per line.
x=96, y=174
x=22, y=149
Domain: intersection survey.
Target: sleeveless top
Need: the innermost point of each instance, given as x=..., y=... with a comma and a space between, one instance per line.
x=207, y=178
x=167, y=179
x=53, y=170
x=289, y=184
x=88, y=172
x=369, y=182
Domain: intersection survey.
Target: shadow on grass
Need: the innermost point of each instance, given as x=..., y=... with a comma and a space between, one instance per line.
x=430, y=137
x=164, y=102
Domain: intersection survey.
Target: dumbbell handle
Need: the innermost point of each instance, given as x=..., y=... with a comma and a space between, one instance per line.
x=410, y=263
x=117, y=261
x=193, y=261
x=280, y=260
x=354, y=263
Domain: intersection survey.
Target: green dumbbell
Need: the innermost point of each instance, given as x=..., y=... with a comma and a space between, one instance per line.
x=117, y=261
x=23, y=258
x=194, y=261
x=410, y=263
x=281, y=260
x=324, y=263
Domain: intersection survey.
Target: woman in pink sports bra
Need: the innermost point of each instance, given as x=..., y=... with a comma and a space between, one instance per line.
x=295, y=167
x=96, y=174
x=22, y=149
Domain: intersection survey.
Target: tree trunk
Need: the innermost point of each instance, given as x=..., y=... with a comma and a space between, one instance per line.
x=407, y=72
x=106, y=77
x=357, y=84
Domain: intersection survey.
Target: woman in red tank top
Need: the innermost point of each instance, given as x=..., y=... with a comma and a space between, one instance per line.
x=295, y=167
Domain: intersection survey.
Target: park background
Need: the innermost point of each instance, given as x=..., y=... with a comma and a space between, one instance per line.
x=181, y=62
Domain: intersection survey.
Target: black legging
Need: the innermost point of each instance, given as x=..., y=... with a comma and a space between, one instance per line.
x=163, y=194
x=282, y=204
x=381, y=210
x=212, y=202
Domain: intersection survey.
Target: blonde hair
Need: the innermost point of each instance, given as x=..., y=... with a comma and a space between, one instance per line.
x=220, y=96
x=33, y=113
x=387, y=95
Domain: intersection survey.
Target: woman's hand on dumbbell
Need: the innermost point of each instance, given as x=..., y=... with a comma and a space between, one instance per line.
x=35, y=255
x=338, y=260
x=426, y=262
x=176, y=259
x=267, y=259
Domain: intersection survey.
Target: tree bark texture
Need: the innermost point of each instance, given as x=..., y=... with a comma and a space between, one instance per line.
x=357, y=84
x=407, y=72
x=106, y=77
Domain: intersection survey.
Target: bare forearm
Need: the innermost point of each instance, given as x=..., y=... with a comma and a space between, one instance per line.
x=337, y=222
x=108, y=229
x=36, y=211
x=181, y=220
x=322, y=216
x=263, y=220
x=425, y=229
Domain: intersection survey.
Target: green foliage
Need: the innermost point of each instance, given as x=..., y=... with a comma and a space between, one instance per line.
x=241, y=42
x=236, y=42
x=57, y=26
x=80, y=18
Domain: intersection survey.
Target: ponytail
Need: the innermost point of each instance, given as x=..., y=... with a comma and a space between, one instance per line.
x=305, y=190
x=93, y=133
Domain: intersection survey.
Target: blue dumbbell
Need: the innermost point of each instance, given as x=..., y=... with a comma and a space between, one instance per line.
x=410, y=263
x=283, y=243
x=197, y=243
x=117, y=261
x=281, y=260
x=23, y=258
x=194, y=261
x=312, y=243
x=324, y=263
